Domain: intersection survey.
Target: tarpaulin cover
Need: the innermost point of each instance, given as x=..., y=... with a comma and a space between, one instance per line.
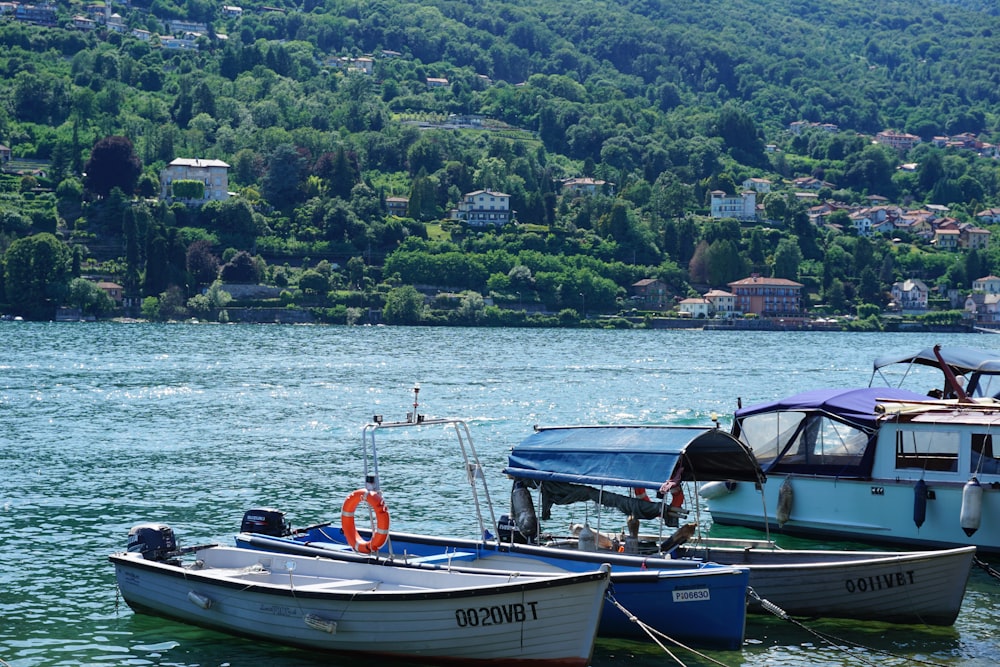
x=631, y=456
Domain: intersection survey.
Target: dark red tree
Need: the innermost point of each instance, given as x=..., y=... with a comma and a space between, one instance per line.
x=112, y=164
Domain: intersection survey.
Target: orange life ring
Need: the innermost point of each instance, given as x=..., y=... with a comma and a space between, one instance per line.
x=641, y=494
x=381, y=532
x=677, y=494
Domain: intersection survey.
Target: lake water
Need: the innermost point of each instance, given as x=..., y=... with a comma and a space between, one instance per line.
x=108, y=425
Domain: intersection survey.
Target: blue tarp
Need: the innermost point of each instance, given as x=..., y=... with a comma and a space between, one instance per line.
x=631, y=456
x=856, y=406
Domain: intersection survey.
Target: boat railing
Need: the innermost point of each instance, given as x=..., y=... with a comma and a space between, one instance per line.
x=475, y=476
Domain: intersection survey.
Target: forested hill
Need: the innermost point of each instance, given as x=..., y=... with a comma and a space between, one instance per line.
x=324, y=109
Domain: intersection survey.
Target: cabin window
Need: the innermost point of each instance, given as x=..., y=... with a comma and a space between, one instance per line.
x=984, y=459
x=824, y=442
x=767, y=433
x=833, y=441
x=802, y=440
x=927, y=450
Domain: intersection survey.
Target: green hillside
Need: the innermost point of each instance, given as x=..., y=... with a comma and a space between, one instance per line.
x=323, y=110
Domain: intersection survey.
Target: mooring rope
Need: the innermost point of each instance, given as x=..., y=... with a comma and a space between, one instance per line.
x=986, y=567
x=656, y=635
x=832, y=640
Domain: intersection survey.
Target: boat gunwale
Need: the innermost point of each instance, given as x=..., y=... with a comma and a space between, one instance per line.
x=125, y=561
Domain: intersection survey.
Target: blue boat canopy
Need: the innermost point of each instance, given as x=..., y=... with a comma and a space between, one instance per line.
x=631, y=456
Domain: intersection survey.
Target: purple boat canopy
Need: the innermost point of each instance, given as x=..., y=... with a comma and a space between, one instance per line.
x=852, y=405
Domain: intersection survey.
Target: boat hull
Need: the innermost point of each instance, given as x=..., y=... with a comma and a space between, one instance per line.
x=923, y=587
x=877, y=511
x=694, y=603
x=374, y=609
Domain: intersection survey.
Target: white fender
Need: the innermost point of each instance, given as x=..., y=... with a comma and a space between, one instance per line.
x=785, y=498
x=972, y=506
x=710, y=490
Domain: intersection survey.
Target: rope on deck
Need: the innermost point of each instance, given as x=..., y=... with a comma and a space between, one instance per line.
x=656, y=635
x=835, y=642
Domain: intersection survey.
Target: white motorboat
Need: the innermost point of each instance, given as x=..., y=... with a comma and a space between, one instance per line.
x=879, y=465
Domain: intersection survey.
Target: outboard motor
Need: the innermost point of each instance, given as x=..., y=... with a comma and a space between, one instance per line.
x=155, y=541
x=265, y=521
x=508, y=532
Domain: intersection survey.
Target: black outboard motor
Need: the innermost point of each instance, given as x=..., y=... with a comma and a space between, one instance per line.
x=508, y=532
x=155, y=541
x=266, y=521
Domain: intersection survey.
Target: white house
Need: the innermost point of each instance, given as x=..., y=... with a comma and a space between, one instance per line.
x=484, y=207
x=989, y=285
x=742, y=206
x=862, y=223
x=587, y=185
x=695, y=307
x=983, y=308
x=723, y=303
x=911, y=294
x=761, y=185
x=213, y=173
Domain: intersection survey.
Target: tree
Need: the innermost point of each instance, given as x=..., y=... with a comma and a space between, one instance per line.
x=242, y=268
x=787, y=259
x=403, y=305
x=89, y=298
x=113, y=163
x=172, y=304
x=471, y=308
x=37, y=275
x=202, y=263
x=868, y=286
x=281, y=182
x=835, y=297
x=724, y=263
x=698, y=265
x=313, y=282
x=69, y=199
x=355, y=271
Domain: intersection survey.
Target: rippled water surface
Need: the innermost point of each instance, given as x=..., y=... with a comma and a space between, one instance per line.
x=109, y=425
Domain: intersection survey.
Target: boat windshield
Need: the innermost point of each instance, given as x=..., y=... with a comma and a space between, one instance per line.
x=799, y=441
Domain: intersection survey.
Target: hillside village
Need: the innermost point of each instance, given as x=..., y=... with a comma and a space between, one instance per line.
x=755, y=297
x=194, y=181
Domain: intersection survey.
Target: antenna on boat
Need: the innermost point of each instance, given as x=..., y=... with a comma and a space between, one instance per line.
x=413, y=417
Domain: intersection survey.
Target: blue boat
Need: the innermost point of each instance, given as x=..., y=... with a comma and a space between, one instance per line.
x=691, y=603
